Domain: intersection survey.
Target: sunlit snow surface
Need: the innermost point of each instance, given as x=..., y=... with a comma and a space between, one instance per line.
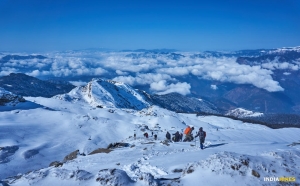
x=48, y=129
x=243, y=113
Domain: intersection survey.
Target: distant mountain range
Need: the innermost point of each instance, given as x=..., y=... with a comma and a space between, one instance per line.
x=155, y=55
x=24, y=85
x=283, y=64
x=19, y=57
x=278, y=55
x=100, y=93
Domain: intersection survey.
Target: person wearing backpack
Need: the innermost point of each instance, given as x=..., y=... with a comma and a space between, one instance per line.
x=168, y=136
x=180, y=138
x=176, y=136
x=202, y=135
x=188, y=134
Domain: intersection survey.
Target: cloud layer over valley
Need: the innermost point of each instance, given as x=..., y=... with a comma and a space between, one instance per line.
x=160, y=71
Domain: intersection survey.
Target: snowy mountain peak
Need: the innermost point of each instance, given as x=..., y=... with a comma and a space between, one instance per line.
x=243, y=113
x=107, y=94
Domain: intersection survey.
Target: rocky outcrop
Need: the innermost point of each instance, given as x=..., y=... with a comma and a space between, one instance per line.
x=71, y=156
x=7, y=97
x=100, y=150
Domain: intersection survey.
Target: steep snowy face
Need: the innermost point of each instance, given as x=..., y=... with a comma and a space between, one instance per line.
x=7, y=97
x=107, y=94
x=242, y=113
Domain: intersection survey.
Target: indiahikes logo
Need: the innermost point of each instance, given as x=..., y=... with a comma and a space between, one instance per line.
x=282, y=179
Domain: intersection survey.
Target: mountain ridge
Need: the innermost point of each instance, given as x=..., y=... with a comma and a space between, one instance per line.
x=25, y=85
x=107, y=94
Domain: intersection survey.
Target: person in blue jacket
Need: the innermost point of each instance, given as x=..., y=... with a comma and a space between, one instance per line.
x=202, y=135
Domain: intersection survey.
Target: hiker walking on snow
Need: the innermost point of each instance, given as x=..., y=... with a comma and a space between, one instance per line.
x=176, y=136
x=180, y=138
x=168, y=136
x=146, y=134
x=188, y=134
x=202, y=135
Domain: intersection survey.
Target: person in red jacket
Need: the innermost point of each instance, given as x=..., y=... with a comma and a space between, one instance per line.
x=146, y=134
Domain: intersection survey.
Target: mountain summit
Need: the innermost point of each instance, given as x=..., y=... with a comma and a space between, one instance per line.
x=107, y=94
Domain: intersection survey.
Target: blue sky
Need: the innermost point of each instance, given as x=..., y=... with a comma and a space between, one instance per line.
x=47, y=25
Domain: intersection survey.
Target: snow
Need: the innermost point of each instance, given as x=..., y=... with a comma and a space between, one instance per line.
x=50, y=128
x=242, y=113
x=4, y=92
x=9, y=99
x=108, y=94
x=285, y=49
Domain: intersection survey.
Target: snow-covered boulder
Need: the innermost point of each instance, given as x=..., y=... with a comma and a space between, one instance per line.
x=113, y=177
x=107, y=94
x=8, y=98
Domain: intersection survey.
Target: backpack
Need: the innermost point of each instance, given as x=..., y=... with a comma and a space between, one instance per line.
x=204, y=134
x=187, y=130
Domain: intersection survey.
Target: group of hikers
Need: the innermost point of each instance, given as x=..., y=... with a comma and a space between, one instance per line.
x=146, y=135
x=177, y=136
x=188, y=135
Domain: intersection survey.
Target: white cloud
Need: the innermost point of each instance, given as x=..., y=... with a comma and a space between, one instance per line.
x=34, y=73
x=162, y=87
x=143, y=79
x=227, y=70
x=78, y=83
x=126, y=79
x=284, y=65
x=175, y=71
x=280, y=66
x=294, y=67
x=286, y=73
x=99, y=71
x=121, y=73
x=159, y=86
x=4, y=73
x=7, y=70
x=145, y=70
x=118, y=61
x=214, y=87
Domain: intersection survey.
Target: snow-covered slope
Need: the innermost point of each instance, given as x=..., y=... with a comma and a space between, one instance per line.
x=107, y=94
x=243, y=113
x=236, y=153
x=179, y=103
